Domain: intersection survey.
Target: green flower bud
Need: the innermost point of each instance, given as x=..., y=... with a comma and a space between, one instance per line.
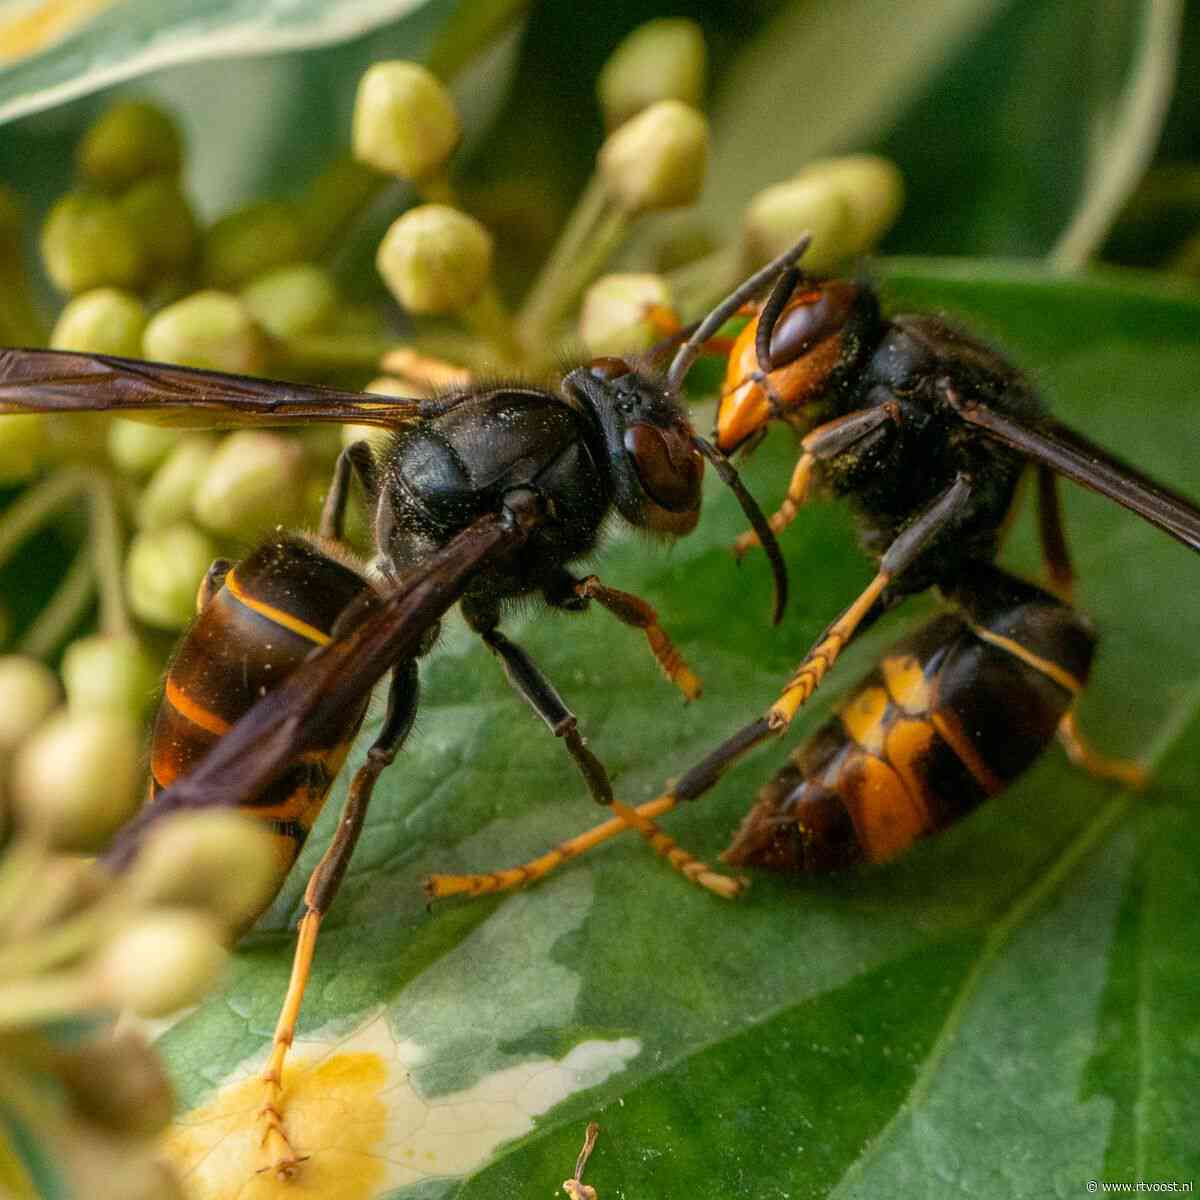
x=223, y=863
x=162, y=572
x=435, y=259
x=207, y=329
x=132, y=139
x=117, y=1081
x=160, y=961
x=23, y=441
x=255, y=481
x=102, y=321
x=873, y=189
x=293, y=300
x=77, y=779
x=405, y=122
x=163, y=220
x=252, y=241
x=778, y=215
x=660, y=60
x=847, y=204
x=657, y=160
x=136, y=448
x=87, y=242
x=613, y=319
x=110, y=672
x=168, y=495
x=29, y=693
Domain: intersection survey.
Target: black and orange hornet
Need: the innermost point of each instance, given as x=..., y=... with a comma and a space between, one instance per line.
x=927, y=431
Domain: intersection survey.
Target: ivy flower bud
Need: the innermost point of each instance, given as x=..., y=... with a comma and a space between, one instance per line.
x=103, y=321
x=29, y=693
x=293, y=300
x=168, y=495
x=657, y=160
x=223, y=863
x=88, y=242
x=254, y=481
x=136, y=448
x=163, y=221
x=778, y=215
x=132, y=139
x=77, y=778
x=873, y=188
x=614, y=319
x=160, y=962
x=113, y=672
x=660, y=60
x=251, y=241
x=207, y=329
x=405, y=121
x=22, y=442
x=163, y=571
x=435, y=259
x=118, y=1081
x=847, y=204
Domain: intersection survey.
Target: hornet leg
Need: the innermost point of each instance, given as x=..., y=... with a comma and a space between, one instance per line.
x=900, y=555
x=824, y=442
x=323, y=884
x=1120, y=770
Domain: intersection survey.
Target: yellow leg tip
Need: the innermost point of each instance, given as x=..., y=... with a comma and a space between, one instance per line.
x=689, y=684
x=744, y=544
x=281, y=1160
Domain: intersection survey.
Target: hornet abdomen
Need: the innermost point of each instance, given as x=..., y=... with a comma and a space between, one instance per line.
x=950, y=716
x=258, y=622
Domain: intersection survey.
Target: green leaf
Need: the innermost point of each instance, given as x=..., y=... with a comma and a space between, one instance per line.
x=56, y=52
x=1010, y=1010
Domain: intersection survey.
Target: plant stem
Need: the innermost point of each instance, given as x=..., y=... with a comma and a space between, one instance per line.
x=488, y=317
x=544, y=301
x=438, y=189
x=106, y=557
x=697, y=285
x=50, y=948
x=32, y=510
x=20, y=867
x=65, y=609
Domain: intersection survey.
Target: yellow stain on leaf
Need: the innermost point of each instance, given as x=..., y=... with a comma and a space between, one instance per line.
x=31, y=29
x=353, y=1108
x=334, y=1114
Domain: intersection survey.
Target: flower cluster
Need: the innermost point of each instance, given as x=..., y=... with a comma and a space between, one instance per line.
x=78, y=947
